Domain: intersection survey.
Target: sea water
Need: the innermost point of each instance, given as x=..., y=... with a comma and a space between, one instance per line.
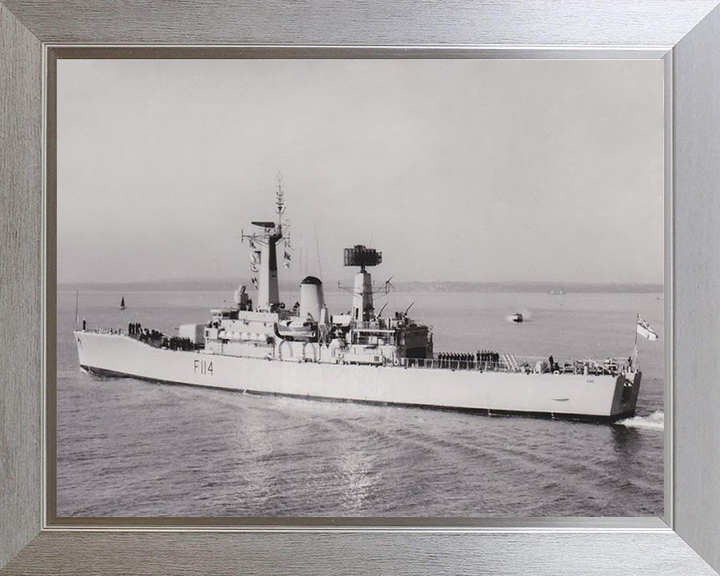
x=131, y=448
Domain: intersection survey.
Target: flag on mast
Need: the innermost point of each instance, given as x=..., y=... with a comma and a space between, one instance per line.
x=643, y=328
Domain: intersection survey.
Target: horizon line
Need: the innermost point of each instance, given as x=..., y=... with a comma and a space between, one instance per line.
x=548, y=283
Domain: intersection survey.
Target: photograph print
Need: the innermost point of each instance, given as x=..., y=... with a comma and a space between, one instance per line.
x=403, y=288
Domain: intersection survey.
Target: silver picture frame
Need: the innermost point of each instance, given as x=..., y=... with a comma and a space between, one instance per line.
x=684, y=36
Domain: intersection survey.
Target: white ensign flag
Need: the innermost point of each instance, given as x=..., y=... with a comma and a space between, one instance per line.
x=643, y=328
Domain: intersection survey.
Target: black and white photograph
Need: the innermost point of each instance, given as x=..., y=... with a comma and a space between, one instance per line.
x=401, y=288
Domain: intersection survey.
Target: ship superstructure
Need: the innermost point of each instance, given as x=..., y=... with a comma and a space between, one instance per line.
x=306, y=351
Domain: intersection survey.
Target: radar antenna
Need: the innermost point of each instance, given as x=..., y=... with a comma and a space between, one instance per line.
x=360, y=255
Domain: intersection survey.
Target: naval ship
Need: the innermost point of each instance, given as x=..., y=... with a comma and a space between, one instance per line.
x=304, y=351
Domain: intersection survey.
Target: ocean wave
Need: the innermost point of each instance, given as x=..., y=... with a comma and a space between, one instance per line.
x=655, y=421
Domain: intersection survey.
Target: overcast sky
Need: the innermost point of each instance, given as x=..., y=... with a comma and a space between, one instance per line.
x=458, y=170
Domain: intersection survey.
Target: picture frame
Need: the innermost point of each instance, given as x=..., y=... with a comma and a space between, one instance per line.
x=684, y=35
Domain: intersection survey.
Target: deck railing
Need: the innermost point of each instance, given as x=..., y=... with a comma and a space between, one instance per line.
x=506, y=363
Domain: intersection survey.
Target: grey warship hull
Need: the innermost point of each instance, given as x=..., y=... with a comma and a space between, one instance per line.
x=314, y=375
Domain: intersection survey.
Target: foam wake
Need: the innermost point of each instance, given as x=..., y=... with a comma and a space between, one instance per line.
x=656, y=421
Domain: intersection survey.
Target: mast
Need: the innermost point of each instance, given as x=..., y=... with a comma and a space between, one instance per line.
x=264, y=245
x=637, y=324
x=363, y=307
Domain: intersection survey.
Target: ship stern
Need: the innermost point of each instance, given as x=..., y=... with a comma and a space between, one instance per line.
x=627, y=389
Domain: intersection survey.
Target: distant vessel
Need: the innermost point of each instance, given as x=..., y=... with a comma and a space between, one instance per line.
x=305, y=351
x=517, y=317
x=122, y=303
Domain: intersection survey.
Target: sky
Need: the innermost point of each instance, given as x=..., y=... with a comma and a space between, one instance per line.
x=457, y=170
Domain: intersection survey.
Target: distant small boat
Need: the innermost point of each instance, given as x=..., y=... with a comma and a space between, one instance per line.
x=517, y=317
x=122, y=303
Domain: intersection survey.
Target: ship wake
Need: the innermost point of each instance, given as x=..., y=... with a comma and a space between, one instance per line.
x=655, y=421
